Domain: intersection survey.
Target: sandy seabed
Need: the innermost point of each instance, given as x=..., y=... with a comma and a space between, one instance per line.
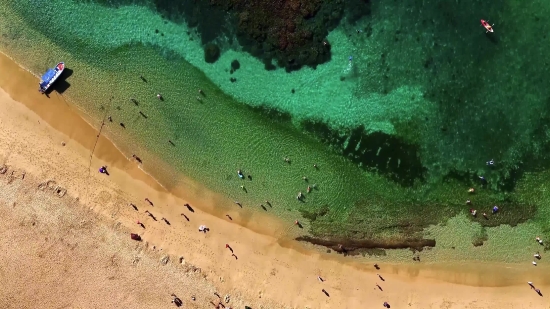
x=65, y=235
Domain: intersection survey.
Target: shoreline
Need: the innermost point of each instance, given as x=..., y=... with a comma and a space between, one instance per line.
x=85, y=135
x=280, y=270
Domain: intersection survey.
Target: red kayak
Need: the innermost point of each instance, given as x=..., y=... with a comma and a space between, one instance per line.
x=487, y=26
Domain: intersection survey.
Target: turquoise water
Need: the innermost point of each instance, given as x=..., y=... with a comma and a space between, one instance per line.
x=399, y=133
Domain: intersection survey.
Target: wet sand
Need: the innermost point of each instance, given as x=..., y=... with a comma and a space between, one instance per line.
x=75, y=250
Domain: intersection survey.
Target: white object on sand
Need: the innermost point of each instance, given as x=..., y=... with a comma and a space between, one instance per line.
x=534, y=263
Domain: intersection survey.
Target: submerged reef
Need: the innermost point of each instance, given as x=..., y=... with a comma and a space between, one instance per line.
x=291, y=33
x=347, y=246
x=377, y=152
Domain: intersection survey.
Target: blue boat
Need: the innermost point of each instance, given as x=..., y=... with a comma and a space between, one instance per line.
x=51, y=76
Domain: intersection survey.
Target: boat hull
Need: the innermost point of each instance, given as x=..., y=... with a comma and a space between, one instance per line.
x=50, y=77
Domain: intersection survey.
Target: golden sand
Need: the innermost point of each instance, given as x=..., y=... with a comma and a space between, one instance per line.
x=73, y=250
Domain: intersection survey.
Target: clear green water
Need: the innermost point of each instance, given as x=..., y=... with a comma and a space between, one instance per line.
x=462, y=97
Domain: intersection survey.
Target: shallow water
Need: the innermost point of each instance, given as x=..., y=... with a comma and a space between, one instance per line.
x=436, y=91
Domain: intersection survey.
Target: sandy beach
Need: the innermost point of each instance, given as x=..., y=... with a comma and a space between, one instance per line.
x=66, y=236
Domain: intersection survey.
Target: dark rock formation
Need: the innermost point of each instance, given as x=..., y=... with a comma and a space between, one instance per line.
x=347, y=246
x=291, y=32
x=211, y=53
x=235, y=65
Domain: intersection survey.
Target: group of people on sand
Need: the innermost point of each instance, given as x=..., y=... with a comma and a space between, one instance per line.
x=537, y=255
x=534, y=288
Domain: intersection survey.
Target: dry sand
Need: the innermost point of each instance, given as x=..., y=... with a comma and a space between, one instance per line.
x=75, y=251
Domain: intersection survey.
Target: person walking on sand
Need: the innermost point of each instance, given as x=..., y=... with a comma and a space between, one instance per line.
x=176, y=300
x=320, y=279
x=531, y=285
x=537, y=256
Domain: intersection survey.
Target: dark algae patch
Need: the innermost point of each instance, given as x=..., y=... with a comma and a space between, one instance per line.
x=374, y=152
x=480, y=237
x=348, y=246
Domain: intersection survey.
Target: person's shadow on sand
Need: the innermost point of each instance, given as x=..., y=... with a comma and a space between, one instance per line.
x=189, y=208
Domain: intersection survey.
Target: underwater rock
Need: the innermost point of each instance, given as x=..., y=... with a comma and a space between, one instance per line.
x=348, y=245
x=291, y=31
x=211, y=53
x=235, y=65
